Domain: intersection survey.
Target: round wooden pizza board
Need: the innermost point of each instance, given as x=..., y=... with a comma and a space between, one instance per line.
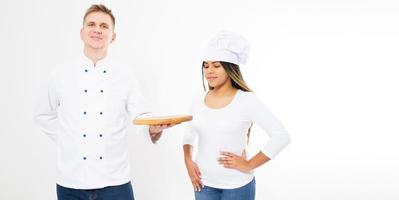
x=160, y=120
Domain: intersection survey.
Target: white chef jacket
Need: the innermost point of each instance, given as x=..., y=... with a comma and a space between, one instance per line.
x=85, y=109
x=226, y=129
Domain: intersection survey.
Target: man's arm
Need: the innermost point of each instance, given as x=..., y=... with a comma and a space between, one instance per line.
x=45, y=113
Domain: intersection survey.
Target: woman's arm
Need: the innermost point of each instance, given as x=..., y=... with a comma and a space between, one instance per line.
x=278, y=136
x=230, y=160
x=187, y=149
x=192, y=168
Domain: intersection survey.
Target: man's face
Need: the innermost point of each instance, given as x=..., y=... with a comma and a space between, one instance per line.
x=97, y=31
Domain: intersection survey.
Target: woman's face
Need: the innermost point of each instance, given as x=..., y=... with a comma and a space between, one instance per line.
x=215, y=74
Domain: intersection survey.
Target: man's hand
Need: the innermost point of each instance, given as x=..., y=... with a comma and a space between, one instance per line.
x=156, y=131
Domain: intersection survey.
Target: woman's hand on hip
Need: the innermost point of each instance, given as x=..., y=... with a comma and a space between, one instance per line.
x=233, y=161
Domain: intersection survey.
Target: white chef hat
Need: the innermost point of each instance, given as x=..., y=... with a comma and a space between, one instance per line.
x=228, y=47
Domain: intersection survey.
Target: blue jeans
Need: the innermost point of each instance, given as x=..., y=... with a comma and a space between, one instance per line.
x=119, y=192
x=246, y=192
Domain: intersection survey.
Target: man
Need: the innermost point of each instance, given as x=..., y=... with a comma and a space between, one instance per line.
x=85, y=109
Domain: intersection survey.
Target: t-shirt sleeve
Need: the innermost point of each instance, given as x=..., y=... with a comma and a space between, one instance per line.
x=278, y=136
x=190, y=135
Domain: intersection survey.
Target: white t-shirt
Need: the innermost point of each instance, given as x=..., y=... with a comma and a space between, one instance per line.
x=226, y=129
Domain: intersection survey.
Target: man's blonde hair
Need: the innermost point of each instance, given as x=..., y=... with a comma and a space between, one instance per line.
x=99, y=8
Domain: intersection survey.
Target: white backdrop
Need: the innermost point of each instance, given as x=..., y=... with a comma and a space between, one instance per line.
x=328, y=69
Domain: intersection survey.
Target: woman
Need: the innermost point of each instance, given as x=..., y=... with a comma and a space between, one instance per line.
x=223, y=117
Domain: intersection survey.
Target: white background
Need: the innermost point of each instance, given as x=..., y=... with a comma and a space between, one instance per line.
x=328, y=69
